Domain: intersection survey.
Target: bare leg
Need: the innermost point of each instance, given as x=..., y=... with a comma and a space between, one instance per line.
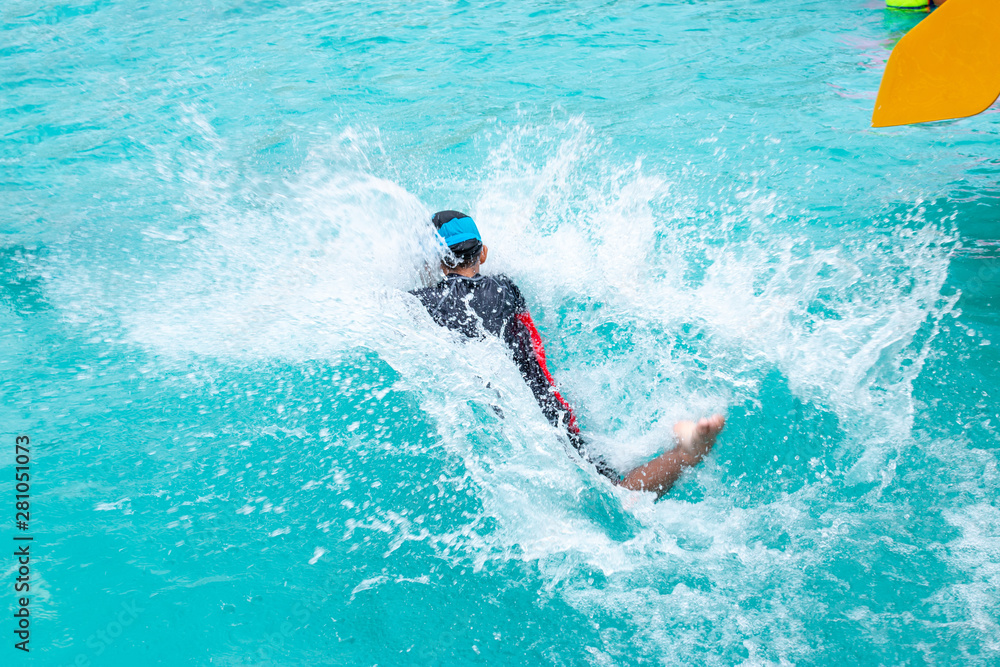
x=694, y=440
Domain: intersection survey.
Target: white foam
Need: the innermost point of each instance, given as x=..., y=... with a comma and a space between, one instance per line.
x=706, y=308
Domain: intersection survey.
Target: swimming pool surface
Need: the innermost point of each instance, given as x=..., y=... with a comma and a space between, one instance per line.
x=250, y=448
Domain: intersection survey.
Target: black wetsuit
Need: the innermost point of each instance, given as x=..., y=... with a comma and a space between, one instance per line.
x=494, y=305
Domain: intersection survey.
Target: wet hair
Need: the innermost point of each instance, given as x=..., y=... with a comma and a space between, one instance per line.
x=461, y=255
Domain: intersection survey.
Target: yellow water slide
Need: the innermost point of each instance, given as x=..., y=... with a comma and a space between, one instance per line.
x=947, y=66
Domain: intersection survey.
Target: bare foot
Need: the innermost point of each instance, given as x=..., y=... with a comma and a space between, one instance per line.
x=696, y=438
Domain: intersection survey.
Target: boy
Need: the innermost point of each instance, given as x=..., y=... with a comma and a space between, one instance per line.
x=473, y=304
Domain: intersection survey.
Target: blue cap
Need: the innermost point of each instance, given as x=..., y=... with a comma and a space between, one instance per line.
x=458, y=230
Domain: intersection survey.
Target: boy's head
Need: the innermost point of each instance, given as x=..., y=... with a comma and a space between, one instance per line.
x=461, y=236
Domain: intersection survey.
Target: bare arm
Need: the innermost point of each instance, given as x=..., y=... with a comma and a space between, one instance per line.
x=660, y=474
x=694, y=440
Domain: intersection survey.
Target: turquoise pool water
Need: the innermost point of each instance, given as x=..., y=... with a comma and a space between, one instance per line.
x=249, y=448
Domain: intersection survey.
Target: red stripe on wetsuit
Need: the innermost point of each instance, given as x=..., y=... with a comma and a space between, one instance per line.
x=539, y=349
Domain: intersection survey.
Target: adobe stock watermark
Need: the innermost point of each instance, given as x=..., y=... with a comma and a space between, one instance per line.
x=301, y=613
x=99, y=642
x=986, y=274
x=276, y=640
x=437, y=650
